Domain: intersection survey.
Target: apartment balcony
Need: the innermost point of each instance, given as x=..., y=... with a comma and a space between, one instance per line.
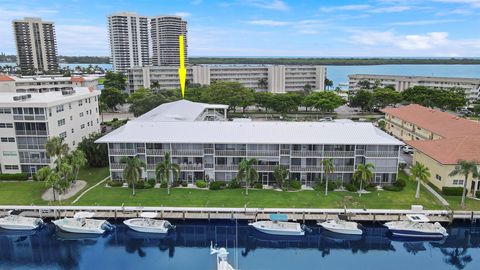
x=122, y=152
x=31, y=132
x=344, y=168
x=209, y=166
x=191, y=167
x=381, y=154
x=360, y=152
x=141, y=150
x=117, y=166
x=254, y=153
x=306, y=153
x=338, y=153
x=191, y=152
x=262, y=168
x=151, y=167
x=233, y=153
x=305, y=168
x=157, y=152
x=35, y=160
x=284, y=151
x=385, y=169
x=226, y=167
x=208, y=151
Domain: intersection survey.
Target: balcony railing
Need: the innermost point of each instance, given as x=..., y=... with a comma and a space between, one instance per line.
x=31, y=132
x=360, y=152
x=191, y=167
x=140, y=149
x=255, y=153
x=157, y=152
x=226, y=167
x=381, y=154
x=262, y=168
x=208, y=151
x=230, y=152
x=123, y=152
x=284, y=151
x=192, y=152
x=35, y=160
x=209, y=166
x=305, y=168
x=385, y=169
x=151, y=167
x=343, y=168
x=338, y=153
x=307, y=153
x=117, y=166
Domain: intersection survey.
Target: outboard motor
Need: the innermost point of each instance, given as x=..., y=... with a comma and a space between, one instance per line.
x=305, y=228
x=169, y=226
x=107, y=226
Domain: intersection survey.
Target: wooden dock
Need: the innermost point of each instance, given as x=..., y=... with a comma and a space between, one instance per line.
x=250, y=214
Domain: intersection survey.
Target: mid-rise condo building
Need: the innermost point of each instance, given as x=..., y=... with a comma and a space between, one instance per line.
x=165, y=31
x=271, y=78
x=471, y=86
x=28, y=120
x=36, y=46
x=207, y=146
x=40, y=84
x=129, y=44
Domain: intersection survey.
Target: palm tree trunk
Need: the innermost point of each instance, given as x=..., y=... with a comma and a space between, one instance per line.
x=417, y=193
x=133, y=188
x=168, y=183
x=53, y=190
x=361, y=187
x=246, y=186
x=464, y=192
x=326, y=186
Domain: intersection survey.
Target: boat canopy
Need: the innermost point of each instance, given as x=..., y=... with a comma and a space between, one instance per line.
x=148, y=214
x=418, y=218
x=84, y=215
x=278, y=217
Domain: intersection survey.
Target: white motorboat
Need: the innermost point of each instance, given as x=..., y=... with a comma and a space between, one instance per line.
x=222, y=261
x=147, y=224
x=83, y=223
x=416, y=226
x=341, y=226
x=17, y=222
x=278, y=225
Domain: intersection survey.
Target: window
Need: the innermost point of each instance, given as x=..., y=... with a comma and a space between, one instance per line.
x=7, y=139
x=5, y=111
x=72, y=130
x=59, y=108
x=6, y=125
x=73, y=143
x=61, y=122
x=88, y=123
x=9, y=153
x=71, y=118
x=458, y=182
x=438, y=177
x=82, y=126
x=69, y=106
x=63, y=134
x=80, y=103
x=11, y=167
x=49, y=112
x=81, y=114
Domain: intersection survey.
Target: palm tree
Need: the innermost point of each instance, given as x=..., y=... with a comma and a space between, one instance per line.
x=456, y=257
x=50, y=178
x=420, y=173
x=77, y=160
x=465, y=168
x=133, y=170
x=247, y=172
x=328, y=169
x=55, y=147
x=363, y=174
x=263, y=83
x=280, y=175
x=166, y=169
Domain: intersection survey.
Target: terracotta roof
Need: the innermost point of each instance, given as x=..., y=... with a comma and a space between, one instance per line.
x=5, y=78
x=77, y=79
x=449, y=151
x=442, y=123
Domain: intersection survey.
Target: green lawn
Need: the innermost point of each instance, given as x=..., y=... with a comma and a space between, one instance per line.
x=470, y=204
x=258, y=198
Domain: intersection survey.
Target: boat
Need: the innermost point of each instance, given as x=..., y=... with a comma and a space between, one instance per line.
x=222, y=261
x=341, y=226
x=147, y=224
x=416, y=226
x=83, y=223
x=20, y=223
x=278, y=225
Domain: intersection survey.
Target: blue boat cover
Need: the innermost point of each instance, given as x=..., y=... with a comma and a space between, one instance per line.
x=278, y=217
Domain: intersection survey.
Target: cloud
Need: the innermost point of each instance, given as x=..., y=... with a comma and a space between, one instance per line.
x=367, y=8
x=182, y=14
x=196, y=2
x=269, y=22
x=472, y=3
x=267, y=4
x=344, y=8
x=423, y=22
x=390, y=9
x=406, y=42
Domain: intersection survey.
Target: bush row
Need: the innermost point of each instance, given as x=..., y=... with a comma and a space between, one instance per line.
x=14, y=176
x=452, y=191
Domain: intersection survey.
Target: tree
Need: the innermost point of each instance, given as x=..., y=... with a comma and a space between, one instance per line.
x=325, y=101
x=420, y=173
x=248, y=98
x=382, y=97
x=229, y=93
x=95, y=153
x=328, y=83
x=166, y=170
x=155, y=86
x=112, y=97
x=465, y=168
x=362, y=99
x=285, y=103
x=307, y=88
x=64, y=171
x=247, y=173
x=149, y=101
x=114, y=80
x=139, y=94
x=264, y=100
x=133, y=170
x=364, y=85
x=56, y=148
x=45, y=174
x=363, y=174
x=328, y=169
x=77, y=160
x=263, y=83
x=280, y=174
x=455, y=257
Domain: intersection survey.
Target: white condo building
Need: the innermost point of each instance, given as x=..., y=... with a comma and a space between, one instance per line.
x=129, y=41
x=207, y=146
x=28, y=120
x=271, y=78
x=401, y=83
x=36, y=45
x=164, y=36
x=40, y=84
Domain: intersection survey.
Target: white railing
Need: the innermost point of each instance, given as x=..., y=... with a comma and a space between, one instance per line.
x=267, y=153
x=122, y=152
x=284, y=151
x=338, y=153
x=191, y=152
x=191, y=167
x=385, y=169
x=117, y=166
x=230, y=152
x=157, y=152
x=35, y=160
x=307, y=153
x=208, y=151
x=305, y=168
x=226, y=167
x=381, y=154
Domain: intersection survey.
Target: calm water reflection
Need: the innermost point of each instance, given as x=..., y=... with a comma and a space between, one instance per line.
x=188, y=248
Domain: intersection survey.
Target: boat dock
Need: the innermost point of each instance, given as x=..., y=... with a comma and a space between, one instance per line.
x=213, y=213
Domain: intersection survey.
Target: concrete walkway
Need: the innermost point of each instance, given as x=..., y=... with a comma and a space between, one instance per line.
x=435, y=193
x=74, y=189
x=90, y=188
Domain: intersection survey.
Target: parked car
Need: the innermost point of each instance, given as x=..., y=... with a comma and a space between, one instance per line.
x=407, y=149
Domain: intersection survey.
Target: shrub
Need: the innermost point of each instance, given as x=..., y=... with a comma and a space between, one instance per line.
x=351, y=187
x=217, y=185
x=233, y=184
x=176, y=183
x=452, y=191
x=115, y=183
x=201, y=184
x=258, y=186
x=152, y=182
x=318, y=186
x=393, y=188
x=14, y=176
x=295, y=185
x=371, y=187
x=477, y=194
x=400, y=182
x=402, y=166
x=184, y=184
x=164, y=184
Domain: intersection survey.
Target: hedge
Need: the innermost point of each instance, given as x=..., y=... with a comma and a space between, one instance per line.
x=351, y=187
x=115, y=183
x=14, y=176
x=295, y=185
x=452, y=191
x=201, y=184
x=258, y=186
x=217, y=185
x=233, y=184
x=477, y=194
x=395, y=188
x=142, y=185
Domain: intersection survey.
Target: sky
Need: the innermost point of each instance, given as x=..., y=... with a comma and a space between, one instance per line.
x=316, y=28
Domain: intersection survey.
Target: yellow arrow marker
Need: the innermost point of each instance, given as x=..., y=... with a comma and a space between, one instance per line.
x=182, y=72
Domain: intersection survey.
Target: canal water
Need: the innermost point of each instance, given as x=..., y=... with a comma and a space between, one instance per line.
x=189, y=248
